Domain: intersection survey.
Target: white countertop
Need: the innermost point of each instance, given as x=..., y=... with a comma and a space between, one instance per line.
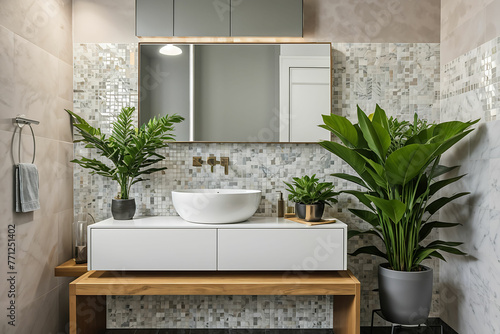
x=178, y=222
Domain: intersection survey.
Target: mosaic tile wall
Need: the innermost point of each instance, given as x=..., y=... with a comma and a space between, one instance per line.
x=471, y=84
x=402, y=78
x=220, y=311
x=470, y=299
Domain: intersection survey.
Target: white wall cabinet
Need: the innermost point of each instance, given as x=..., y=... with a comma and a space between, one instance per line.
x=172, y=244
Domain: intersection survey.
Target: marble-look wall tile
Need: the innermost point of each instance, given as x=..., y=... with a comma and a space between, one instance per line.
x=112, y=21
x=372, y=21
x=402, y=78
x=6, y=77
x=469, y=295
x=466, y=24
x=46, y=24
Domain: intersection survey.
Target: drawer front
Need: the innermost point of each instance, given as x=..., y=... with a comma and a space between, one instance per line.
x=283, y=249
x=153, y=249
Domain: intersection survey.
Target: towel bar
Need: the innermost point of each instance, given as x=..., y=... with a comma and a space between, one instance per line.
x=21, y=121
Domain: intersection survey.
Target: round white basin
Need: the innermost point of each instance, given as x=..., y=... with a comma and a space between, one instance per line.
x=216, y=206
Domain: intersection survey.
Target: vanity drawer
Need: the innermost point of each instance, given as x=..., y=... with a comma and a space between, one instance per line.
x=152, y=249
x=281, y=249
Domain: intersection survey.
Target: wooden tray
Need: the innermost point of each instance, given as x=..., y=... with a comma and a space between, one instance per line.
x=303, y=221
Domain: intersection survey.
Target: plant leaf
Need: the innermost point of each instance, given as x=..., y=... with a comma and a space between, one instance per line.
x=372, y=250
x=348, y=155
x=394, y=209
x=342, y=128
x=436, y=186
x=376, y=136
x=354, y=233
x=426, y=228
x=407, y=162
x=351, y=178
x=433, y=207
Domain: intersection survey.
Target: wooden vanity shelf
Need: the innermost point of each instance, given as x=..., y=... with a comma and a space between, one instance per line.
x=87, y=294
x=70, y=269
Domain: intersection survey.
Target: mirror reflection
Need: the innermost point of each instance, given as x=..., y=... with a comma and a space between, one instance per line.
x=238, y=92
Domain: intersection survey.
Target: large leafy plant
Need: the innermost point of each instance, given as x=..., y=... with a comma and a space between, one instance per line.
x=131, y=150
x=308, y=190
x=398, y=170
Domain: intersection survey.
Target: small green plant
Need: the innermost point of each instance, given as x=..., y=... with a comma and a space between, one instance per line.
x=131, y=150
x=307, y=190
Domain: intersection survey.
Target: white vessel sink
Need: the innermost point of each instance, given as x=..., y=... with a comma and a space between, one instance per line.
x=216, y=206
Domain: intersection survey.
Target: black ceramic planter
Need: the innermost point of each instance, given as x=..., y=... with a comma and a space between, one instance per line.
x=405, y=296
x=314, y=212
x=123, y=209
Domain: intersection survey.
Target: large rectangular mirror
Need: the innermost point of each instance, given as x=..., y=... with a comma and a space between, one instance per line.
x=238, y=92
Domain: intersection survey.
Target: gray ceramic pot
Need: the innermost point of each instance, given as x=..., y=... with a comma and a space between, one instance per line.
x=405, y=297
x=123, y=209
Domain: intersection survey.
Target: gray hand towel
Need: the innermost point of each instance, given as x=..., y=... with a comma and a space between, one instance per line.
x=27, y=188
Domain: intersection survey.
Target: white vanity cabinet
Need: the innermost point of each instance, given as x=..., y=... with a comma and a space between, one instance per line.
x=172, y=244
x=153, y=249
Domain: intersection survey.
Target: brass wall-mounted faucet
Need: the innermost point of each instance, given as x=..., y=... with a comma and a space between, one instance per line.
x=212, y=162
x=224, y=161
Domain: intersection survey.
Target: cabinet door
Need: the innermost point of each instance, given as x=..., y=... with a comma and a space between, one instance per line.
x=153, y=249
x=281, y=249
x=266, y=18
x=154, y=17
x=202, y=17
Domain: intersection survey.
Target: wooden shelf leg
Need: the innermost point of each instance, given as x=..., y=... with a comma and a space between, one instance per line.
x=87, y=314
x=346, y=314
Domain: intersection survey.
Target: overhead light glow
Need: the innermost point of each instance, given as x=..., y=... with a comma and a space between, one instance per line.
x=171, y=50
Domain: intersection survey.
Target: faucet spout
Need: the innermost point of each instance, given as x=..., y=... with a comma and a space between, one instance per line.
x=212, y=161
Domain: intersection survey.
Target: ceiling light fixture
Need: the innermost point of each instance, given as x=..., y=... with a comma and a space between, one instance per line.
x=170, y=50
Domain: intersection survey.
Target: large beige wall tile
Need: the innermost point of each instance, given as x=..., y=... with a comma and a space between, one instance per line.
x=104, y=21
x=368, y=21
x=46, y=24
x=454, y=13
x=37, y=317
x=64, y=181
x=36, y=85
x=6, y=77
x=63, y=123
x=63, y=292
x=65, y=237
x=467, y=24
x=65, y=80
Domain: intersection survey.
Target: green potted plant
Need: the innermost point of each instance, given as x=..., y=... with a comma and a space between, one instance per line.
x=132, y=152
x=310, y=195
x=397, y=166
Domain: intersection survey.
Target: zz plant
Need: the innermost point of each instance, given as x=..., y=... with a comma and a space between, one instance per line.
x=131, y=150
x=398, y=169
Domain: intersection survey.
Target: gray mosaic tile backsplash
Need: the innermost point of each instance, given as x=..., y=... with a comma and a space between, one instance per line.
x=402, y=78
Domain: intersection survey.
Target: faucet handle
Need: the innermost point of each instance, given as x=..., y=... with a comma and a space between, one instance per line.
x=224, y=161
x=197, y=161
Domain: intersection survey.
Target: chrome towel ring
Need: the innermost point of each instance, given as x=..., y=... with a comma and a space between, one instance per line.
x=21, y=121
